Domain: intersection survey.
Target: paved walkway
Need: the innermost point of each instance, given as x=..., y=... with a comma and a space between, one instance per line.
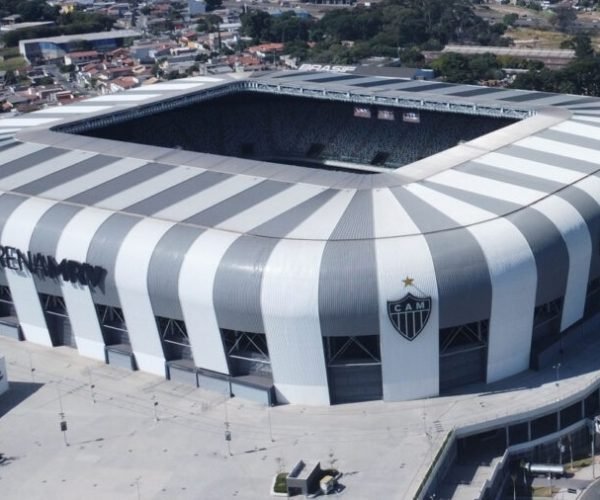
x=122, y=445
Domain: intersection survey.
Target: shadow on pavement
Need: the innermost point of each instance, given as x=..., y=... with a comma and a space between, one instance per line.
x=17, y=393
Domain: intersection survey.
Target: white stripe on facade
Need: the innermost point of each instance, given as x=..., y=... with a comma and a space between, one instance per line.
x=208, y=197
x=94, y=178
x=495, y=189
x=126, y=97
x=43, y=169
x=71, y=110
x=131, y=278
x=580, y=129
x=74, y=244
x=196, y=281
x=575, y=233
x=269, y=208
x=560, y=148
x=147, y=188
x=17, y=233
x=513, y=276
x=529, y=167
x=27, y=122
x=20, y=151
x=290, y=307
x=159, y=87
x=410, y=369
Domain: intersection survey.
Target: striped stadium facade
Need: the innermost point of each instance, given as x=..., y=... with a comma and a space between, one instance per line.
x=292, y=284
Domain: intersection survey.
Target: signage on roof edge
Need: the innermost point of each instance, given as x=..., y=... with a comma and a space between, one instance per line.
x=327, y=67
x=46, y=266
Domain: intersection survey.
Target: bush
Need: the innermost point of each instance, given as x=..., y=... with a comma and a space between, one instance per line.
x=280, y=485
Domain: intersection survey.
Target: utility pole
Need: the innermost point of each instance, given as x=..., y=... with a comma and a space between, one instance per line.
x=61, y=416
x=227, y=431
x=92, y=386
x=593, y=453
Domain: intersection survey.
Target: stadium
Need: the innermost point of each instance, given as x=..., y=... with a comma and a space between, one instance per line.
x=305, y=237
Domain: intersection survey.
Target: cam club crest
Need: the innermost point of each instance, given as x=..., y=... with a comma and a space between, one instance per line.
x=409, y=315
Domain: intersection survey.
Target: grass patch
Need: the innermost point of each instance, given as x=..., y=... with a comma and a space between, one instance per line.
x=12, y=64
x=10, y=52
x=280, y=485
x=537, y=39
x=542, y=491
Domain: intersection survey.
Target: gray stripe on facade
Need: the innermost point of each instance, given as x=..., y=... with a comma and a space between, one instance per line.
x=477, y=92
x=348, y=292
x=282, y=224
x=8, y=204
x=550, y=159
x=177, y=193
x=589, y=209
x=581, y=113
x=44, y=240
x=494, y=205
x=237, y=203
x=103, y=251
x=585, y=122
x=428, y=219
x=550, y=252
x=581, y=100
x=66, y=174
x=510, y=177
x=238, y=282
x=546, y=243
x=462, y=274
x=165, y=267
x=121, y=183
x=566, y=138
x=12, y=167
x=530, y=96
x=428, y=87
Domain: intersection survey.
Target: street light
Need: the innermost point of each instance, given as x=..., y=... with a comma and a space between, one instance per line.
x=557, y=368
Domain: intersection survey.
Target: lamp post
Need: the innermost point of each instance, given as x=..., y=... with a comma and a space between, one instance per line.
x=557, y=368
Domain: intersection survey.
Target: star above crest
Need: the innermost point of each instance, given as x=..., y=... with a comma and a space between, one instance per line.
x=408, y=281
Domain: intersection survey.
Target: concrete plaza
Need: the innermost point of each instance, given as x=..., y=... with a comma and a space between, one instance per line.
x=136, y=436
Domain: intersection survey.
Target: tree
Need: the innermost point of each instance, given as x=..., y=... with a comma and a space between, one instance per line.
x=256, y=24
x=563, y=18
x=208, y=24
x=510, y=19
x=543, y=80
x=581, y=44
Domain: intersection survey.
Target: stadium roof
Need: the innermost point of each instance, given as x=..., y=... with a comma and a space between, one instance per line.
x=90, y=37
x=481, y=180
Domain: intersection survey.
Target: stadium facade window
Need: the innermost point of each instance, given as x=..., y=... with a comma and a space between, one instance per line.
x=57, y=320
x=113, y=326
x=469, y=336
x=174, y=338
x=7, y=307
x=463, y=354
x=546, y=328
x=548, y=312
x=247, y=353
x=592, y=300
x=353, y=368
x=363, y=350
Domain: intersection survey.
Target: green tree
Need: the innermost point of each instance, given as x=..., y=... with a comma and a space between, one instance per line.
x=581, y=44
x=564, y=17
x=510, y=19
x=256, y=24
